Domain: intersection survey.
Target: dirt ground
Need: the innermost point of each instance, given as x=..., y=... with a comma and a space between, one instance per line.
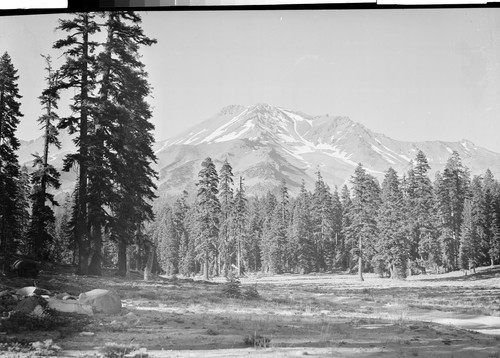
x=319, y=315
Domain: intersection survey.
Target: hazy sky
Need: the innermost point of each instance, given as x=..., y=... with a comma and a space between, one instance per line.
x=411, y=74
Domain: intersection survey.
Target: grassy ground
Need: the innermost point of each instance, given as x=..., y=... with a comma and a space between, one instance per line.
x=302, y=315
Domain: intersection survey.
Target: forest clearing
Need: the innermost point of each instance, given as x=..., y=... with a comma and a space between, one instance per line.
x=319, y=315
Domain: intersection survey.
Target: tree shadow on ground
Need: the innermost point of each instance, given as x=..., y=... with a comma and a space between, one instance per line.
x=493, y=272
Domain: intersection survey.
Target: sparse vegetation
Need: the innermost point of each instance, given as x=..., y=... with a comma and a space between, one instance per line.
x=116, y=350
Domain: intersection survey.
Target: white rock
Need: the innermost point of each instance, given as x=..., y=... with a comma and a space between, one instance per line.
x=87, y=334
x=102, y=301
x=69, y=306
x=139, y=353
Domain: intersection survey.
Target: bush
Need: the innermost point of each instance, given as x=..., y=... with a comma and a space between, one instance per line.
x=115, y=350
x=232, y=288
x=251, y=293
x=256, y=340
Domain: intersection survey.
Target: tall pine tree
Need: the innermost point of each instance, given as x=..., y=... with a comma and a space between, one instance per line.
x=208, y=214
x=10, y=225
x=451, y=190
x=363, y=216
x=392, y=245
x=226, y=244
x=45, y=175
x=79, y=73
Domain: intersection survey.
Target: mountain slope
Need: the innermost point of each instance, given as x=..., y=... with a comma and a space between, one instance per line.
x=266, y=144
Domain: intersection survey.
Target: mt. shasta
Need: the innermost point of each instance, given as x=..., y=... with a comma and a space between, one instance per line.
x=265, y=144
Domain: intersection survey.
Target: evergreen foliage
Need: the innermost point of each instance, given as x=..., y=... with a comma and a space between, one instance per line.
x=207, y=215
x=45, y=176
x=11, y=206
x=392, y=246
x=362, y=231
x=419, y=199
x=469, y=245
x=226, y=244
x=451, y=190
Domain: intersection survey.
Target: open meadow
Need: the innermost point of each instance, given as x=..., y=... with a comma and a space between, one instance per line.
x=318, y=315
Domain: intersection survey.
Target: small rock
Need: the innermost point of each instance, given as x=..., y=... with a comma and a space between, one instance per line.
x=102, y=301
x=31, y=291
x=87, y=334
x=38, y=311
x=28, y=304
x=139, y=353
x=5, y=293
x=131, y=315
x=69, y=306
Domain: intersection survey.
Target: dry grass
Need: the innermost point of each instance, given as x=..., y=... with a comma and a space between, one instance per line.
x=317, y=315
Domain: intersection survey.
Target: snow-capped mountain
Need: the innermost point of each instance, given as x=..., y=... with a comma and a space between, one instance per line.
x=265, y=144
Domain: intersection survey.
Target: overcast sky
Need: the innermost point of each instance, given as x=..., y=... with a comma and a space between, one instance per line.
x=411, y=74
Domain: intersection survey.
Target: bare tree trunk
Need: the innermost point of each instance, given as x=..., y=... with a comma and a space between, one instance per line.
x=95, y=267
x=82, y=234
x=122, y=259
x=239, y=256
x=206, y=267
x=360, y=261
x=149, y=263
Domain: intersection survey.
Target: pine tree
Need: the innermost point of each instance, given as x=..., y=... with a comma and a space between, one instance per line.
x=469, y=246
x=22, y=206
x=336, y=248
x=121, y=139
x=189, y=265
x=240, y=224
x=323, y=219
x=10, y=226
x=343, y=256
x=63, y=243
x=477, y=197
x=168, y=241
x=226, y=244
x=79, y=72
x=363, y=214
x=451, y=190
x=270, y=206
x=208, y=214
x=254, y=232
x=302, y=238
x=45, y=175
x=281, y=229
x=392, y=246
x=491, y=242
x=419, y=199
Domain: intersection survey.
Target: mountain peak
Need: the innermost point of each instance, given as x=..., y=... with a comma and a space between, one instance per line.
x=232, y=109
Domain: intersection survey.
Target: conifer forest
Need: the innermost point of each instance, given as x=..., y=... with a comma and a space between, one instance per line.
x=408, y=224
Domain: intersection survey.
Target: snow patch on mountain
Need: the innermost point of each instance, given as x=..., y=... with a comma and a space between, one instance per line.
x=266, y=144
x=219, y=131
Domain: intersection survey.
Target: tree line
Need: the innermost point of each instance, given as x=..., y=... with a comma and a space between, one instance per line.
x=110, y=123
x=404, y=226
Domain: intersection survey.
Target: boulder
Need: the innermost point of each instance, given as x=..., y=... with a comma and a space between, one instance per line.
x=28, y=304
x=139, y=353
x=102, y=301
x=32, y=291
x=69, y=306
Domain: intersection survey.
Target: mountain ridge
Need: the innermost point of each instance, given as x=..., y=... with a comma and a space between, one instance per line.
x=266, y=144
